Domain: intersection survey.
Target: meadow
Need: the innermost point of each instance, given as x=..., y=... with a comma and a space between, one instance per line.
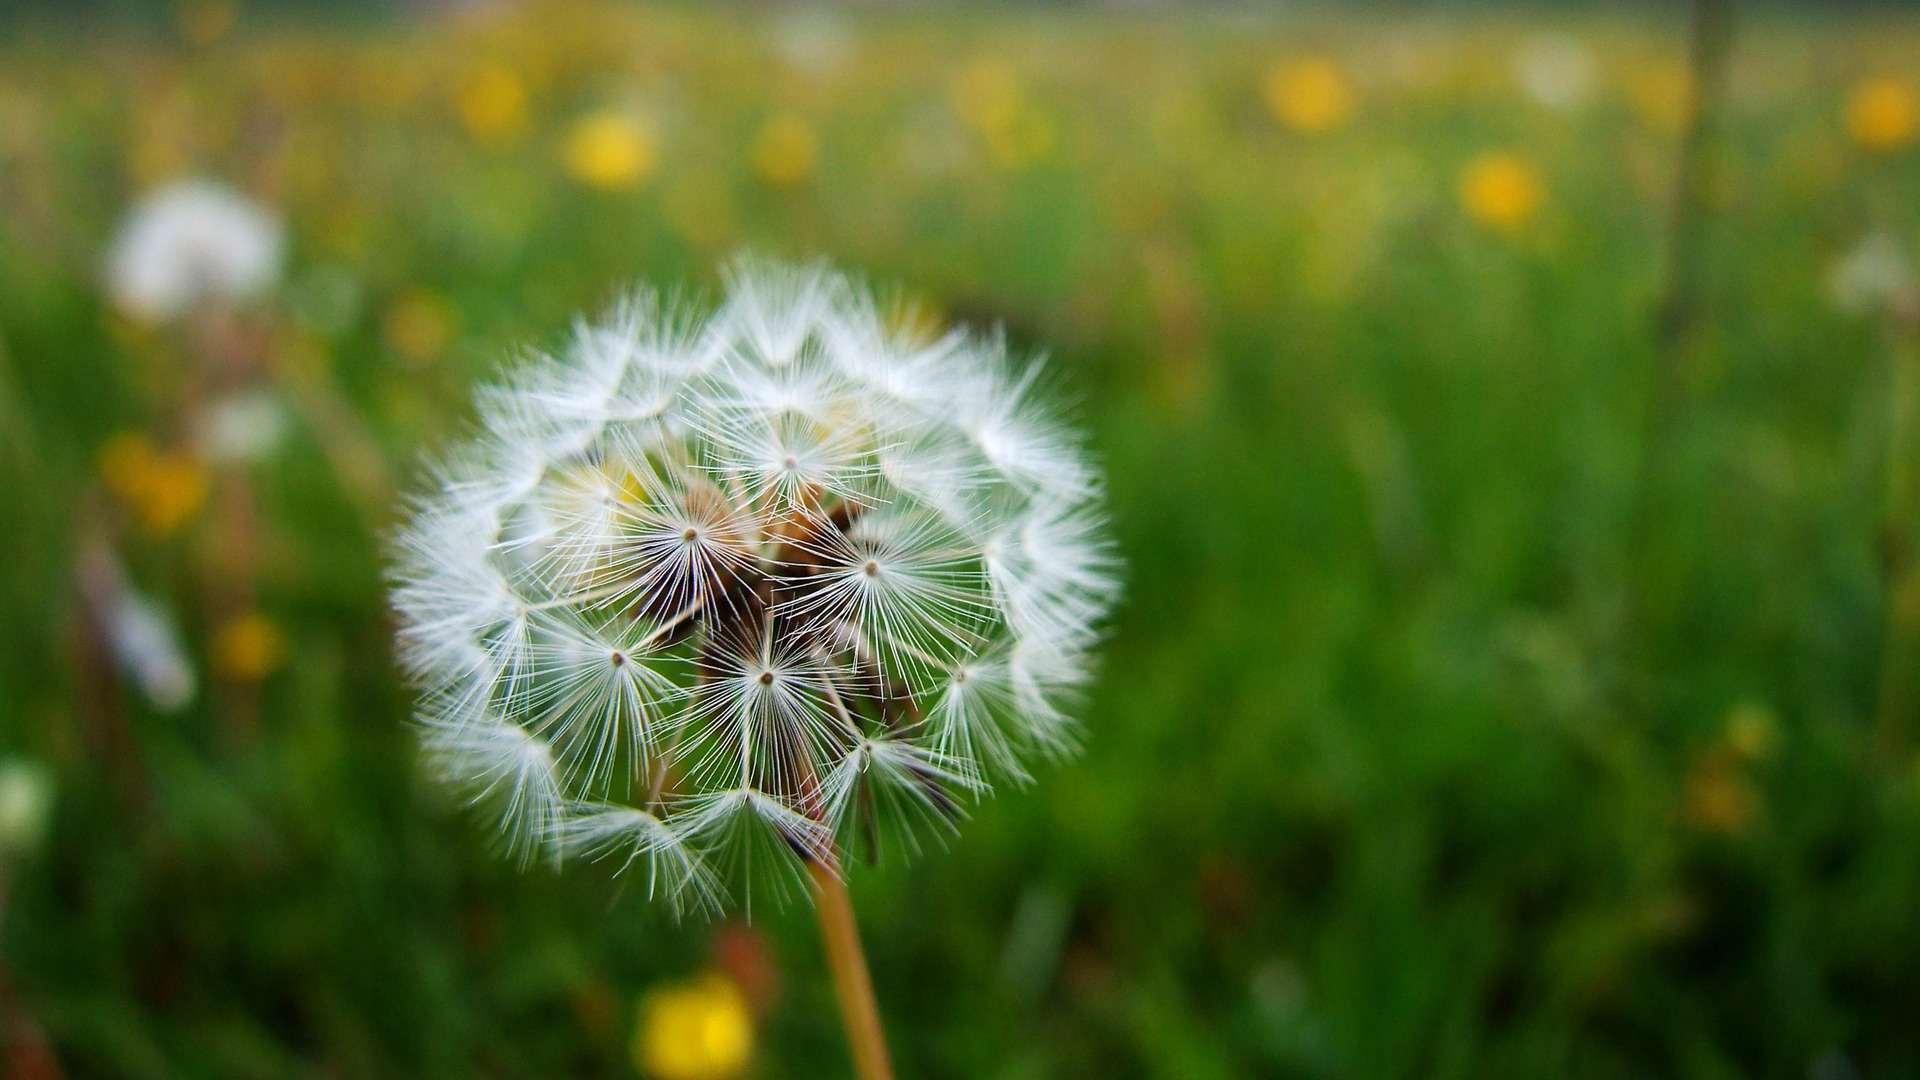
x=1509, y=682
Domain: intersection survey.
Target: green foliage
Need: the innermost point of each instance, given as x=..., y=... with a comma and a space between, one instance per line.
x=1443, y=731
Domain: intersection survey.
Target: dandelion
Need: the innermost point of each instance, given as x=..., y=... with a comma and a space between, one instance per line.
x=699, y=1031
x=610, y=151
x=191, y=245
x=1501, y=190
x=1311, y=96
x=722, y=597
x=1882, y=114
x=785, y=150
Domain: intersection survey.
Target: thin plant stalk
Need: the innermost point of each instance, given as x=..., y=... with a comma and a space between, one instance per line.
x=1678, y=311
x=851, y=982
x=1896, y=699
x=25, y=1053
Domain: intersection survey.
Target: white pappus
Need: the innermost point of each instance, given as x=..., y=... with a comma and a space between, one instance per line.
x=718, y=594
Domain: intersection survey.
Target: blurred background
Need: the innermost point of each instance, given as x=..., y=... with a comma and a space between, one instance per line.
x=1510, y=416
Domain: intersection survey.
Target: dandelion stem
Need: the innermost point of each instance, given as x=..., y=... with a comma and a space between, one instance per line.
x=851, y=982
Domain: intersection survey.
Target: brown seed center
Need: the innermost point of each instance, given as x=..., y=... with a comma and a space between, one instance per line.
x=766, y=678
x=872, y=568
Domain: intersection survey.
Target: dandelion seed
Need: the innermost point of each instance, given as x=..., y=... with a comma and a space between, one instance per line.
x=722, y=597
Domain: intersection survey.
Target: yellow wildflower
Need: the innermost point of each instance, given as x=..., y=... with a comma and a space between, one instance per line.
x=203, y=22
x=419, y=326
x=988, y=97
x=1501, y=190
x=700, y=1030
x=610, y=151
x=1752, y=731
x=1882, y=114
x=1718, y=797
x=1662, y=94
x=785, y=150
x=249, y=648
x=1313, y=96
x=492, y=103
x=162, y=490
x=986, y=93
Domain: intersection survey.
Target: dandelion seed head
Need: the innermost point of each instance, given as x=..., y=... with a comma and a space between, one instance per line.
x=193, y=244
x=713, y=595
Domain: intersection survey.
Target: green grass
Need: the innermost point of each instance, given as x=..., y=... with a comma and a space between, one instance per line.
x=1381, y=779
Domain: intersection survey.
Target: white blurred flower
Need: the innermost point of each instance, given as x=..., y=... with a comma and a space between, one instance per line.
x=1875, y=274
x=244, y=427
x=1556, y=70
x=26, y=806
x=711, y=591
x=193, y=244
x=140, y=635
x=813, y=40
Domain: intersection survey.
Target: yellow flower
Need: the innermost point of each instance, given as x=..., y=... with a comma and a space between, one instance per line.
x=1501, y=190
x=988, y=97
x=1752, y=731
x=986, y=93
x=1663, y=96
x=162, y=490
x=1882, y=114
x=610, y=151
x=1314, y=96
x=249, y=648
x=203, y=22
x=785, y=150
x=1718, y=797
x=700, y=1030
x=419, y=326
x=492, y=103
